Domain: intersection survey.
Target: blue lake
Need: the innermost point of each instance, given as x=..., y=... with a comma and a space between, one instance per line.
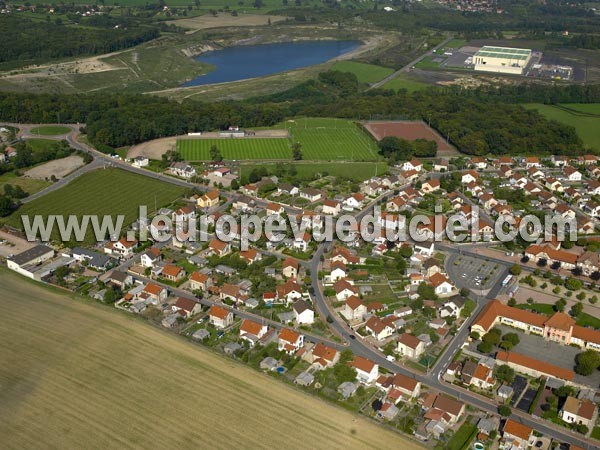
x=250, y=61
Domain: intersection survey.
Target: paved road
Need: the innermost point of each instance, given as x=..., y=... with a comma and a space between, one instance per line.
x=409, y=66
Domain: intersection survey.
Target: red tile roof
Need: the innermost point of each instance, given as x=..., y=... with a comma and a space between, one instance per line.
x=363, y=364
x=516, y=429
x=532, y=363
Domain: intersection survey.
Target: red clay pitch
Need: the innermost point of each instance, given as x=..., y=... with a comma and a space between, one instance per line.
x=406, y=130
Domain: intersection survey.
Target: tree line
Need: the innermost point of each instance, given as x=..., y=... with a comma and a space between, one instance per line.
x=479, y=121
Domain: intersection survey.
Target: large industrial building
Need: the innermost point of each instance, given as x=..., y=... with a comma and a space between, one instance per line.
x=502, y=59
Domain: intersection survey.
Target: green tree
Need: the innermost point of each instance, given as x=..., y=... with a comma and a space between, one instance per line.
x=297, y=151
x=504, y=410
x=576, y=309
x=468, y=308
x=560, y=305
x=515, y=269
x=215, y=153
x=587, y=362
x=504, y=373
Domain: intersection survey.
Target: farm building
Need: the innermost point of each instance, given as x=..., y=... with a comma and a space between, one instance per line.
x=502, y=59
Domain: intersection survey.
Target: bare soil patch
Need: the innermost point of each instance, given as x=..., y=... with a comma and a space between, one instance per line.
x=153, y=149
x=13, y=245
x=60, y=168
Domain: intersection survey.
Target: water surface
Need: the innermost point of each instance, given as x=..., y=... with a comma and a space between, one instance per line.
x=251, y=61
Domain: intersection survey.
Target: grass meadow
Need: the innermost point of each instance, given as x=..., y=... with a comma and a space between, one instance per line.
x=102, y=192
x=366, y=73
x=50, y=130
x=77, y=374
x=584, y=117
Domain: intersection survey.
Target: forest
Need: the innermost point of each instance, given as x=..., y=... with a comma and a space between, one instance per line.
x=477, y=121
x=25, y=40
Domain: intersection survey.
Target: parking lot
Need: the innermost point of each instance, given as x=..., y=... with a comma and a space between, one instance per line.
x=474, y=273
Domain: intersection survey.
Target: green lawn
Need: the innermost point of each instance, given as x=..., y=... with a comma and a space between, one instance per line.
x=50, y=130
x=234, y=148
x=39, y=144
x=456, y=43
x=428, y=63
x=402, y=82
x=586, y=126
x=462, y=437
x=585, y=320
x=586, y=108
x=29, y=185
x=102, y=192
x=366, y=73
x=596, y=433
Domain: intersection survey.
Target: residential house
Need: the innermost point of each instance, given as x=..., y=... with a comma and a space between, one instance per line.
x=579, y=412
x=311, y=194
x=303, y=313
x=289, y=291
x=187, y=306
x=172, y=273
x=366, y=370
x=452, y=307
x=379, y=328
x=354, y=308
x=200, y=281
x=121, y=248
x=323, y=356
x=220, y=317
x=251, y=255
x=478, y=375
x=572, y=174
x=344, y=289
x=331, y=207
x=183, y=170
x=209, y=200
x=410, y=346
x=302, y=242
x=470, y=176
x=150, y=258
x=441, y=284
x=338, y=271
x=154, y=294
x=479, y=163
x=218, y=247
x=517, y=436
x=290, y=268
x=441, y=165
x=431, y=185
x=413, y=164
x=252, y=331
x=274, y=209
x=290, y=341
x=355, y=201
x=532, y=161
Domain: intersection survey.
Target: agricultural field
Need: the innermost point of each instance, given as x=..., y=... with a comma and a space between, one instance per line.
x=235, y=148
x=409, y=130
x=50, y=130
x=584, y=117
x=332, y=139
x=102, y=192
x=366, y=73
x=82, y=375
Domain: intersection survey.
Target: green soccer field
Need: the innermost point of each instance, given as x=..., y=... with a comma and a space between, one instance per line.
x=321, y=140
x=235, y=148
x=102, y=192
x=332, y=140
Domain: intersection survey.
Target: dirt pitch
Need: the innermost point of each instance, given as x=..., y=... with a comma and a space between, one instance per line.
x=60, y=168
x=76, y=374
x=409, y=130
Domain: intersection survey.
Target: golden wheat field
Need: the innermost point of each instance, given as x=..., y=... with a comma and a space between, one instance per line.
x=74, y=374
